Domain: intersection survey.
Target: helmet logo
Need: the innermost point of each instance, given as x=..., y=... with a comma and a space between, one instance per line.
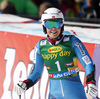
x=53, y=16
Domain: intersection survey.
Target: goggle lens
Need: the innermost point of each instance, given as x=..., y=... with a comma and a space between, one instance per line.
x=53, y=23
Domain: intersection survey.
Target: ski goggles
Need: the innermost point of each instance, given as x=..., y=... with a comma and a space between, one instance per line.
x=53, y=23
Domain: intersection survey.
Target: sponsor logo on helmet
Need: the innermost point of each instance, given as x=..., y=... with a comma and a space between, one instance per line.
x=54, y=13
x=53, y=17
x=54, y=49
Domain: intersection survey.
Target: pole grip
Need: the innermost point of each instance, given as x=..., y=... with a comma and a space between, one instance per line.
x=97, y=97
x=19, y=96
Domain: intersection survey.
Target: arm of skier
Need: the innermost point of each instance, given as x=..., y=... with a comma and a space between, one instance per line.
x=85, y=59
x=35, y=74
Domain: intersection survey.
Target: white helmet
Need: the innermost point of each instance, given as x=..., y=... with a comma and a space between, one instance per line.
x=52, y=13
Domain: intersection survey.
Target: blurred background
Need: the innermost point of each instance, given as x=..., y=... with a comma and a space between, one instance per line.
x=86, y=11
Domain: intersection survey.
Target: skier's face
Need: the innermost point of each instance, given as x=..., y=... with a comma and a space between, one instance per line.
x=53, y=27
x=53, y=32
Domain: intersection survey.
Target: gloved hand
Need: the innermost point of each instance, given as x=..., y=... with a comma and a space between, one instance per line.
x=20, y=87
x=91, y=89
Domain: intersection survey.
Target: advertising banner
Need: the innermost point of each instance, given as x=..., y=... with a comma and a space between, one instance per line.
x=16, y=55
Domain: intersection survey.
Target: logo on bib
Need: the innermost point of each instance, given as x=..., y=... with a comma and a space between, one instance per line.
x=54, y=49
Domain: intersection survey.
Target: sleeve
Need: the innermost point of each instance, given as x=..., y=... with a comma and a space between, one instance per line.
x=82, y=54
x=38, y=68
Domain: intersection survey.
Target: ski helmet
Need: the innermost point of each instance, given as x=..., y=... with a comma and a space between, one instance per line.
x=51, y=14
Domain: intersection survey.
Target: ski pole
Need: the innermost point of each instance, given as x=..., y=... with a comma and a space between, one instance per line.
x=19, y=96
x=97, y=97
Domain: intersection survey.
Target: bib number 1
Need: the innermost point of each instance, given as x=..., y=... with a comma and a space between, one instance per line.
x=58, y=65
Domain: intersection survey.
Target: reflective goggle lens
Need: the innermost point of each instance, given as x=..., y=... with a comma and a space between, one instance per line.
x=53, y=23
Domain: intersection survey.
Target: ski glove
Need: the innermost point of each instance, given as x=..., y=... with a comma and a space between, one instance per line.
x=20, y=87
x=91, y=90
